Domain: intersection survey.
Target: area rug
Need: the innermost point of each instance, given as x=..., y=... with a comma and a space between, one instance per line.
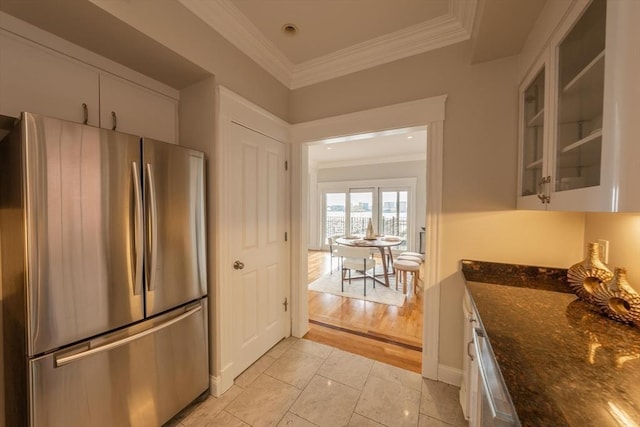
x=330, y=284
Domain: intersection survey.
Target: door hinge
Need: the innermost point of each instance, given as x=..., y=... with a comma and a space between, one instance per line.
x=286, y=237
x=286, y=165
x=286, y=304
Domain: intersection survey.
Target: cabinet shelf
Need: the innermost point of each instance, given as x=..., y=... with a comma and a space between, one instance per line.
x=579, y=143
x=589, y=76
x=536, y=164
x=537, y=120
x=582, y=98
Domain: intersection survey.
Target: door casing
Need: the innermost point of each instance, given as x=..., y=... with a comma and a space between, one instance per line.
x=232, y=110
x=428, y=112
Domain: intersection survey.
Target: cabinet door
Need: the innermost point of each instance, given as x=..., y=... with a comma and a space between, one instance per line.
x=44, y=82
x=136, y=110
x=533, y=163
x=578, y=150
x=578, y=53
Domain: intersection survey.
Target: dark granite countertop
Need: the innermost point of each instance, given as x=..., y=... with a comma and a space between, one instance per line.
x=563, y=363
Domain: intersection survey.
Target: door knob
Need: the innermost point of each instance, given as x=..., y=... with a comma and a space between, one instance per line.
x=238, y=265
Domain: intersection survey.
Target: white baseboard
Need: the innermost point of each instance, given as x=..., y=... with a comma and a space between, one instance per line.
x=218, y=385
x=450, y=375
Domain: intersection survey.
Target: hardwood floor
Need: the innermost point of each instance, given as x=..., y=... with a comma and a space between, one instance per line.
x=386, y=333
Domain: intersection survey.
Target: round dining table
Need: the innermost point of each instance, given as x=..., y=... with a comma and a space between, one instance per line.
x=381, y=243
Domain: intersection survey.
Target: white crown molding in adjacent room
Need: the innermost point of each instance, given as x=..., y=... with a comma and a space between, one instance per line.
x=233, y=25
x=370, y=161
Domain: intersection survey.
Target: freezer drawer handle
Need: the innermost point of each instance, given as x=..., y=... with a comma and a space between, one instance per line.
x=62, y=360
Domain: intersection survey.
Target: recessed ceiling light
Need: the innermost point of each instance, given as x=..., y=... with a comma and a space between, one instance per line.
x=289, y=30
x=329, y=148
x=410, y=137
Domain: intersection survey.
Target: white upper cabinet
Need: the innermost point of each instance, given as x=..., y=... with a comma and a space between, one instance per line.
x=39, y=80
x=131, y=108
x=44, y=81
x=533, y=137
x=578, y=135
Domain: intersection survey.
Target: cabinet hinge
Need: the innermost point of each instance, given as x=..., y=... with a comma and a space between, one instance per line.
x=286, y=237
x=286, y=165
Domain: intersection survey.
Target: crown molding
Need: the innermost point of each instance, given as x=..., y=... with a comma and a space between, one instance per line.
x=371, y=161
x=464, y=11
x=407, y=42
x=234, y=26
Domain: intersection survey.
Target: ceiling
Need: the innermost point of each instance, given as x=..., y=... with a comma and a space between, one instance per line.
x=398, y=145
x=334, y=38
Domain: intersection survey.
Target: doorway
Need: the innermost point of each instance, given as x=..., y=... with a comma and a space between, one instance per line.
x=377, y=178
x=426, y=112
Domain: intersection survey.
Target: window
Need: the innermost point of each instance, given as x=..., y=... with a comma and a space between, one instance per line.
x=393, y=211
x=388, y=206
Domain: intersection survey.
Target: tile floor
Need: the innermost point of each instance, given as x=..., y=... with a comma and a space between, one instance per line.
x=302, y=383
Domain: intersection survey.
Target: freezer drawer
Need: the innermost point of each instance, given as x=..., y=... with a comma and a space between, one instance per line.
x=141, y=376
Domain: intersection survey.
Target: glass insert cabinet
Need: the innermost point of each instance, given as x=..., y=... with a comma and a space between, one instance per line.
x=576, y=104
x=533, y=136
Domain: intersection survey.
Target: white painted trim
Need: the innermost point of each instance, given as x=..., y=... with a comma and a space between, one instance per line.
x=232, y=109
x=250, y=115
x=233, y=25
x=345, y=185
x=406, y=114
x=299, y=239
x=224, y=17
x=429, y=112
x=52, y=42
x=464, y=11
x=430, y=35
x=218, y=385
x=431, y=295
x=450, y=375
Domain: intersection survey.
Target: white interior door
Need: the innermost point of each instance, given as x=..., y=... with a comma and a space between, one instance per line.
x=257, y=246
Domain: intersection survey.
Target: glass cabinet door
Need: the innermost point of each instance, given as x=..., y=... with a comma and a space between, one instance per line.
x=578, y=148
x=533, y=135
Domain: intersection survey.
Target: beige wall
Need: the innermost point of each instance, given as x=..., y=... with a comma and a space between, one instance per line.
x=623, y=233
x=197, y=115
x=480, y=154
x=166, y=22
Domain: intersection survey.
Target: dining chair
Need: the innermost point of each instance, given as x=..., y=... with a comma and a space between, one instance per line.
x=358, y=259
x=333, y=249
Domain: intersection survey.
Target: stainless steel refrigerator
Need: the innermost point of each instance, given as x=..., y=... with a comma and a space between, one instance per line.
x=103, y=276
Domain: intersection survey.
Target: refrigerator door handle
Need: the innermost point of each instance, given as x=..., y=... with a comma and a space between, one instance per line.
x=66, y=358
x=137, y=230
x=152, y=230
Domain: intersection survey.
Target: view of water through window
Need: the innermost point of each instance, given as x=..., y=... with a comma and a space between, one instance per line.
x=352, y=211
